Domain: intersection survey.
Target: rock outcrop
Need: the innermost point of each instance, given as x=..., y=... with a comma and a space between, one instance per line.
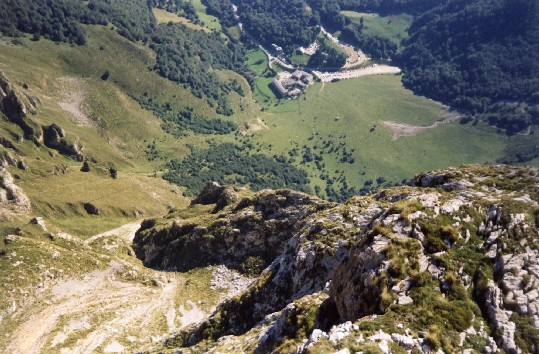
x=214, y=193
x=12, y=198
x=14, y=107
x=450, y=265
x=54, y=138
x=255, y=228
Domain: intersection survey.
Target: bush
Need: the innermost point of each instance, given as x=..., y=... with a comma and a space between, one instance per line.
x=113, y=172
x=85, y=167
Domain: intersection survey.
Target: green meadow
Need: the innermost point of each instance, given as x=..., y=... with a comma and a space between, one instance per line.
x=209, y=21
x=392, y=27
x=350, y=113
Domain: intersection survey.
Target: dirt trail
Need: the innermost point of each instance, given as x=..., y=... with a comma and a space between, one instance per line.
x=401, y=129
x=119, y=312
x=127, y=232
x=103, y=312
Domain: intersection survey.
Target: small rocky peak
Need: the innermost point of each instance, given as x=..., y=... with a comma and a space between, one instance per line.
x=214, y=193
x=54, y=137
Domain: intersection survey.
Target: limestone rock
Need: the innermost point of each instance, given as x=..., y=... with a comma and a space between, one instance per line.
x=210, y=194
x=39, y=222
x=54, y=137
x=12, y=105
x=336, y=274
x=431, y=179
x=214, y=193
x=12, y=198
x=500, y=317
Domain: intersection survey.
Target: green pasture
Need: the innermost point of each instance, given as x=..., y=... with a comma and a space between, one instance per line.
x=392, y=27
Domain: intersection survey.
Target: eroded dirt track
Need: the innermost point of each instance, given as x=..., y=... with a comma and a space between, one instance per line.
x=121, y=308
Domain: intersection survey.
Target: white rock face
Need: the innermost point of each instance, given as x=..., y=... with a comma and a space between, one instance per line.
x=340, y=332
x=451, y=206
x=12, y=198
x=114, y=347
x=429, y=200
x=224, y=278
x=500, y=317
x=365, y=255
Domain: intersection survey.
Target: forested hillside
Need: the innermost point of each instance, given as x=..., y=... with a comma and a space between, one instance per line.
x=58, y=20
x=480, y=56
x=387, y=6
x=184, y=55
x=286, y=23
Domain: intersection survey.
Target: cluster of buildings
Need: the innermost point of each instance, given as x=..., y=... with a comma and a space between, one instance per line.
x=292, y=85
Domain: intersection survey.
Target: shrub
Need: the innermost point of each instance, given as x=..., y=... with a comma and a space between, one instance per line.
x=113, y=172
x=105, y=75
x=85, y=167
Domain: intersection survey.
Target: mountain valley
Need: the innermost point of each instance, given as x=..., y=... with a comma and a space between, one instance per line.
x=158, y=195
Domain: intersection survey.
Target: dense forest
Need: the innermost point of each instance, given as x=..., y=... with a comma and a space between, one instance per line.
x=183, y=122
x=286, y=23
x=480, y=56
x=233, y=164
x=375, y=46
x=222, y=10
x=388, y=6
x=58, y=20
x=133, y=18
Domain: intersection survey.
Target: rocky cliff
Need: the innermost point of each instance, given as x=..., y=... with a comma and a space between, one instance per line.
x=449, y=264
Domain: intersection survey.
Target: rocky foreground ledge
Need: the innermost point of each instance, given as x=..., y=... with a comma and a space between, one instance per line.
x=447, y=264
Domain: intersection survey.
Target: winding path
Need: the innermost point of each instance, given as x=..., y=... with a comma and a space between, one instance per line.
x=103, y=311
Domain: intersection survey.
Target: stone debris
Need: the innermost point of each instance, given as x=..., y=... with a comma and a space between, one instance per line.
x=338, y=333
x=224, y=278
x=114, y=347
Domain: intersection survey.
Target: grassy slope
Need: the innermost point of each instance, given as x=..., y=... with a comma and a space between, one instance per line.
x=120, y=119
x=258, y=62
x=121, y=130
x=394, y=27
x=362, y=104
x=163, y=16
x=117, y=134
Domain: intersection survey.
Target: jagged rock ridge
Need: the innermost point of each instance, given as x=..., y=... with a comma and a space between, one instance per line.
x=16, y=107
x=449, y=263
